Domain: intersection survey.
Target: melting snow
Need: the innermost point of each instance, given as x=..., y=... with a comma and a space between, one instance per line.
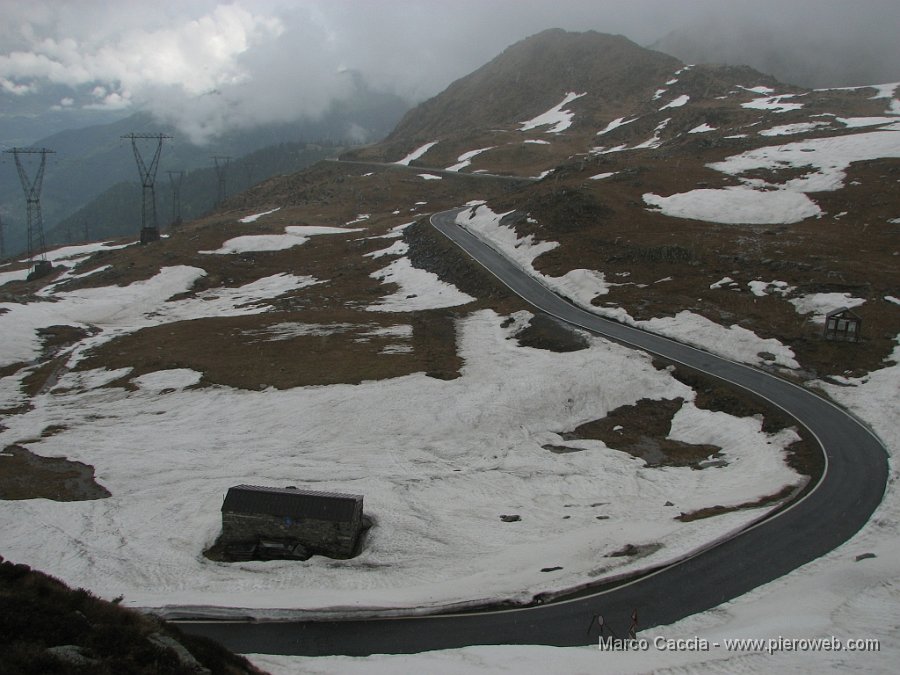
x=737, y=205
x=764, y=288
x=759, y=89
x=819, y=304
x=856, y=122
x=418, y=290
x=678, y=102
x=294, y=235
x=257, y=216
x=417, y=153
x=176, y=378
x=724, y=281
x=830, y=158
x=556, y=116
x=788, y=203
x=774, y=103
x=168, y=453
x=790, y=129
x=615, y=124
x=656, y=140
x=397, y=248
x=465, y=159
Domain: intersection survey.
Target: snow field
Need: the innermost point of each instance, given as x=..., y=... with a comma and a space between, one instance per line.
x=411, y=445
x=819, y=304
x=836, y=595
x=759, y=202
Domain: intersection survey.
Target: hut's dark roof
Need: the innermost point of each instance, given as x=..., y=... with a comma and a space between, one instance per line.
x=842, y=311
x=291, y=502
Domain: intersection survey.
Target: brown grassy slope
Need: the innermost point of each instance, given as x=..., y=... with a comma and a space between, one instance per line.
x=39, y=613
x=246, y=351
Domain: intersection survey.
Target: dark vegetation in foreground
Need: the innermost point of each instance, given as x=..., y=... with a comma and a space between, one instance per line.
x=46, y=627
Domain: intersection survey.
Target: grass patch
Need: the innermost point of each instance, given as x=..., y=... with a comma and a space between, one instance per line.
x=24, y=475
x=641, y=430
x=711, y=511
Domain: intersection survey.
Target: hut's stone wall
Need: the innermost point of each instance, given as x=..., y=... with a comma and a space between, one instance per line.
x=336, y=539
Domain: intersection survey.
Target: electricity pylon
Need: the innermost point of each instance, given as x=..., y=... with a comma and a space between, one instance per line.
x=149, y=223
x=222, y=174
x=32, y=188
x=248, y=169
x=175, y=178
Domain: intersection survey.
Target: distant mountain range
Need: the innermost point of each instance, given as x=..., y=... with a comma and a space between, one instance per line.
x=89, y=161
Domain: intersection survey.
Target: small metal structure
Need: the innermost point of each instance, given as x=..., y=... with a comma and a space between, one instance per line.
x=268, y=522
x=37, y=256
x=843, y=325
x=149, y=223
x=248, y=169
x=175, y=180
x=221, y=163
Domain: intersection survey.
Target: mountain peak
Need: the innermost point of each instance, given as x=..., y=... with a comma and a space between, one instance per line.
x=534, y=74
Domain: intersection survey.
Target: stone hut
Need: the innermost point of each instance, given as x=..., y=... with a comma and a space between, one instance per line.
x=298, y=522
x=842, y=324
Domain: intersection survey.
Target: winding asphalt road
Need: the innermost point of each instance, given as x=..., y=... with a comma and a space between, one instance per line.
x=851, y=487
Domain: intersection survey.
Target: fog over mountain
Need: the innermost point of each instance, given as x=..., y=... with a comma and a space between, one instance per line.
x=208, y=67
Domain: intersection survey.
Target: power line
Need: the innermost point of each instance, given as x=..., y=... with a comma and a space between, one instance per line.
x=175, y=180
x=221, y=163
x=149, y=223
x=32, y=188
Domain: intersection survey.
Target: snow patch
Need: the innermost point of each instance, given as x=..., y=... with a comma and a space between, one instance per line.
x=736, y=205
x=397, y=248
x=175, y=378
x=764, y=288
x=558, y=119
x=295, y=235
x=257, y=216
x=819, y=304
x=791, y=129
x=615, y=124
x=418, y=290
x=775, y=104
x=465, y=159
x=677, y=103
x=417, y=153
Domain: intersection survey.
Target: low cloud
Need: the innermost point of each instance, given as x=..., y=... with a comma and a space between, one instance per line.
x=208, y=67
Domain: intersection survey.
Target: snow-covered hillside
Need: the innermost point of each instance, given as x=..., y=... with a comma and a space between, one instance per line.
x=317, y=332
x=169, y=446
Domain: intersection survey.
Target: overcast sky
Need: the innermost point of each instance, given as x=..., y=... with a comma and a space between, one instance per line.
x=208, y=65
